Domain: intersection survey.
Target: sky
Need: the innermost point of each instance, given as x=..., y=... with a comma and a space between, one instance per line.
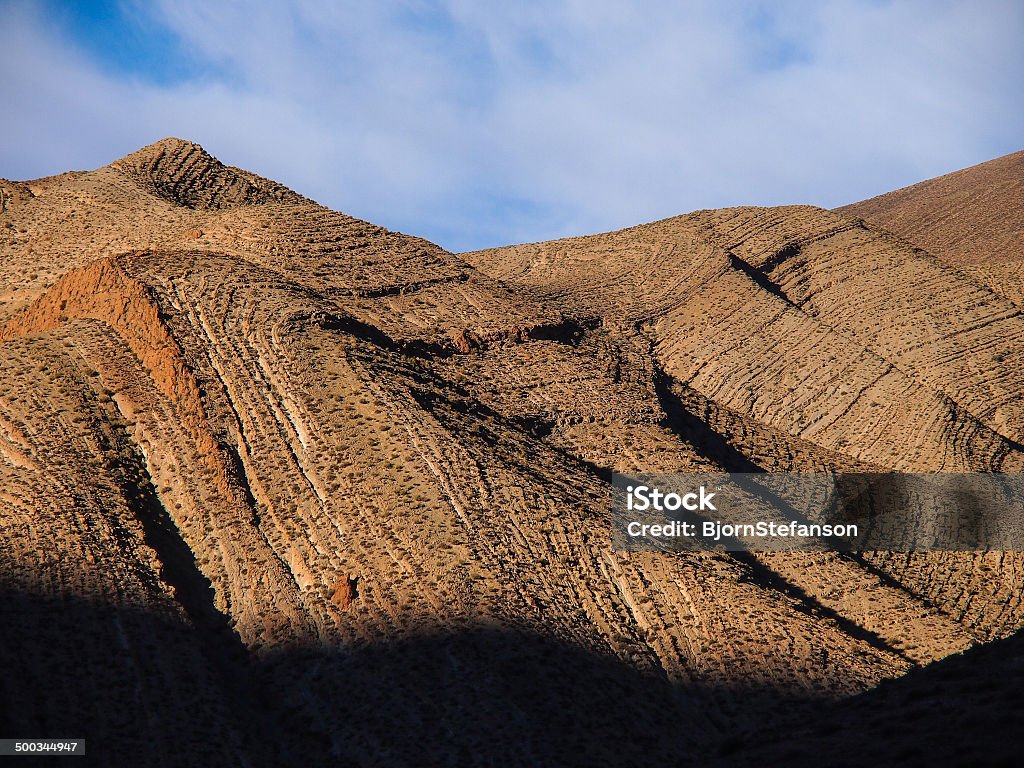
x=478, y=123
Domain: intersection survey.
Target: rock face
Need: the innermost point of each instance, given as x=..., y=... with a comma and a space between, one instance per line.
x=336, y=495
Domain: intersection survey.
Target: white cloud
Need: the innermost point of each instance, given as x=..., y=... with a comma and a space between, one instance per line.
x=482, y=123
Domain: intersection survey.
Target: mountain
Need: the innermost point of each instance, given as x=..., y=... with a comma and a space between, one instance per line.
x=973, y=216
x=278, y=485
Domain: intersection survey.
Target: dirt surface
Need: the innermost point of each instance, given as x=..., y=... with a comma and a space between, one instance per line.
x=279, y=486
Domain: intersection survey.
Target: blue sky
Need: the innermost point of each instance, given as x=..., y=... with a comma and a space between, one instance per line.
x=484, y=123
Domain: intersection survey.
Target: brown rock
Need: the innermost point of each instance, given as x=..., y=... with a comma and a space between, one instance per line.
x=345, y=591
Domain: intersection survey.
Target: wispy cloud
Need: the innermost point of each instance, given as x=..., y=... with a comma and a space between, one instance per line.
x=478, y=124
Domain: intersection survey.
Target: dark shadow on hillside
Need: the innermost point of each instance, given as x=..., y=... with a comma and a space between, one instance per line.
x=691, y=428
x=142, y=689
x=965, y=710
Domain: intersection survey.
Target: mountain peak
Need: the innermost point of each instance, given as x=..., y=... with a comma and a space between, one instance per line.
x=183, y=173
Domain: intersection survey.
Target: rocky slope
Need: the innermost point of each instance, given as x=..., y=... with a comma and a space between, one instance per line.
x=971, y=216
x=331, y=493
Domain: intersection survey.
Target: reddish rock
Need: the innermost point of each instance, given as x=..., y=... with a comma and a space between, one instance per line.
x=345, y=591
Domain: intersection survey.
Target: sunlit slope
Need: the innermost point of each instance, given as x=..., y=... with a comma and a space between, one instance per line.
x=809, y=322
x=971, y=216
x=797, y=322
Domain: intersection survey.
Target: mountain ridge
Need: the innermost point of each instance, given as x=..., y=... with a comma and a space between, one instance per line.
x=974, y=215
